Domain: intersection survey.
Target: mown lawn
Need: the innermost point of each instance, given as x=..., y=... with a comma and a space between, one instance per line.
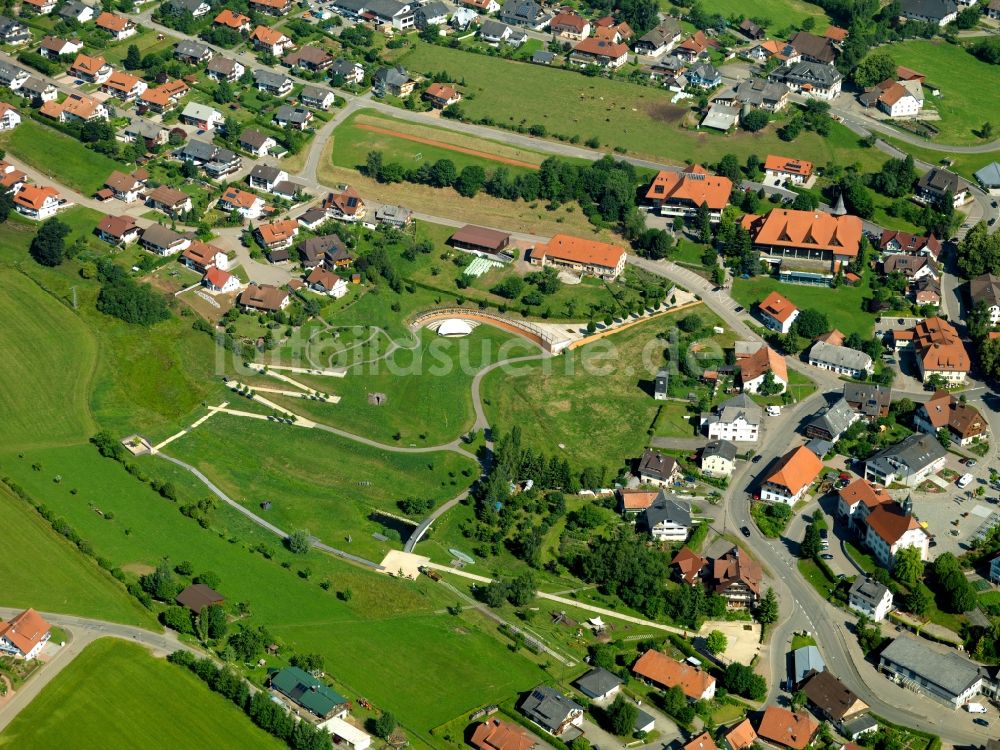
x=964, y=104
x=841, y=305
x=115, y=694
x=59, y=156
x=59, y=578
x=780, y=13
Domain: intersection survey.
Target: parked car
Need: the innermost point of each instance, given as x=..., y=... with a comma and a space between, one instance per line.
x=981, y=722
x=739, y=308
x=756, y=459
x=745, y=531
x=826, y=556
x=970, y=462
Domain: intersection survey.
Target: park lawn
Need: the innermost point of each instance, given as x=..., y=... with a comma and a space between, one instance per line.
x=146, y=41
x=674, y=420
x=59, y=578
x=42, y=336
x=592, y=405
x=317, y=480
x=637, y=119
x=800, y=640
x=351, y=144
x=812, y=573
x=77, y=167
x=428, y=388
x=455, y=660
x=799, y=387
x=116, y=694
x=779, y=13
x=844, y=314
x=963, y=81
x=964, y=164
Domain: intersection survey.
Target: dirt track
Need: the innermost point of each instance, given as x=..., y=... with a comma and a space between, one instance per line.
x=447, y=146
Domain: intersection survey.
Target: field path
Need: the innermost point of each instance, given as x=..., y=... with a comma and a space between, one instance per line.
x=447, y=146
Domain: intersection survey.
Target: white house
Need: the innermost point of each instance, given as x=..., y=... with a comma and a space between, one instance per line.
x=202, y=116
x=718, y=458
x=24, y=635
x=777, y=312
x=901, y=99
x=870, y=598
x=345, y=734
x=10, y=118
x=736, y=420
x=245, y=203
x=658, y=469
x=792, y=476
x=38, y=203
x=219, y=281
x=986, y=288
x=908, y=462
x=757, y=363
x=840, y=359
x=667, y=519
x=890, y=530
x=599, y=685
x=325, y=282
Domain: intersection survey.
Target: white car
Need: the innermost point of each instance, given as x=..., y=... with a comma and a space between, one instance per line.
x=773, y=411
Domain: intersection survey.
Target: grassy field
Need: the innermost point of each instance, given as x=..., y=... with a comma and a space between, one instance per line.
x=41, y=336
x=77, y=167
x=962, y=80
x=146, y=42
x=780, y=13
x=316, y=480
x=428, y=388
x=352, y=142
x=845, y=314
x=59, y=578
x=115, y=694
x=963, y=164
x=454, y=658
x=592, y=405
x=639, y=119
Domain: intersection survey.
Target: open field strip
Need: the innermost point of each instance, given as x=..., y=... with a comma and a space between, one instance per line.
x=448, y=146
x=291, y=394
x=329, y=373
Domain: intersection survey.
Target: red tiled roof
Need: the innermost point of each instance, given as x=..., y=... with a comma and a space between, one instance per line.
x=785, y=728
x=33, y=196
x=578, y=250
x=661, y=669
x=111, y=22
x=692, y=185
x=863, y=491
x=890, y=523
x=791, y=166
x=840, y=235
x=25, y=630
x=231, y=19
x=689, y=563
x=500, y=735
x=778, y=307
x=796, y=469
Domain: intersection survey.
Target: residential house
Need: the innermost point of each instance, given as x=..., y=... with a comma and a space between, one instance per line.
x=989, y=176
x=77, y=11
x=12, y=76
x=660, y=670
x=759, y=364
x=163, y=241
x=527, y=13
x=898, y=99
x=784, y=170
x=495, y=33
x=265, y=177
x=758, y=93
x=781, y=727
x=570, y=25
x=442, y=95
x=806, y=661
x=813, y=243
x=940, y=12
x=768, y=49
x=124, y=86
x=38, y=91
x=325, y=282
x=263, y=297
x=54, y=47
x=224, y=69
x=736, y=577
x=317, y=97
x=394, y=81
x=201, y=256
x=832, y=421
x=10, y=118
x=703, y=741
x=11, y=179
x=463, y=18
x=119, y=27
x=694, y=46
x=599, y=685
x=720, y=116
x=661, y=384
x=704, y=75
x=926, y=291
x=939, y=674
x=37, y=203
x=198, y=596
x=657, y=469
x=344, y=204
x=217, y=161
x=992, y=10
x=718, y=458
x=278, y=234
x=909, y=462
x=633, y=502
x=39, y=7
x=433, y=13
x=870, y=598
x=494, y=734
x=986, y=289
x=490, y=243
x=312, y=218
x=117, y=230
x=580, y=255
x=791, y=477
x=936, y=184
x=810, y=79
x=943, y=411
x=13, y=32
x=24, y=635
x=347, y=71
x=304, y=690
x=394, y=216
x=660, y=39
x=276, y=84
x=308, y=57
x=295, y=117
x=858, y=499
x=257, y=143
x=75, y=107
x=551, y=710
x=399, y=16
x=689, y=565
x=326, y=250
x=232, y=20
x=247, y=205
x=751, y=30
x=841, y=360
x=869, y=400
x=894, y=242
x=680, y=193
x=667, y=519
x=912, y=267
x=90, y=69
x=485, y=7
x=269, y=40
x=271, y=7
x=197, y=8
x=740, y=737
x=814, y=49
x=192, y=52
x=221, y=282
x=604, y=54
x=777, y=312
x=202, y=116
x=737, y=419
x=939, y=350
x=831, y=699
x=164, y=97
x=171, y=201
x=127, y=188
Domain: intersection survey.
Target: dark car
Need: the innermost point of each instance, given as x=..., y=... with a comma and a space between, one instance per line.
x=827, y=556
x=756, y=459
x=739, y=309
x=981, y=722
x=745, y=531
x=970, y=462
